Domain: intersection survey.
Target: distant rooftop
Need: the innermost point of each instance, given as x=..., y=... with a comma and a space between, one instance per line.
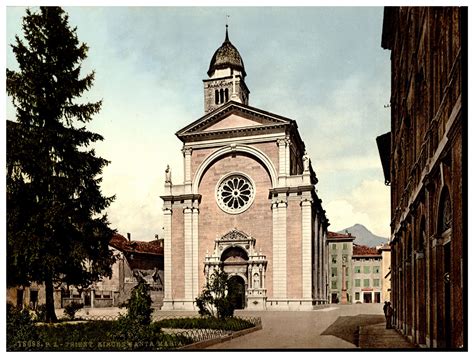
x=335, y=236
x=362, y=250
x=120, y=243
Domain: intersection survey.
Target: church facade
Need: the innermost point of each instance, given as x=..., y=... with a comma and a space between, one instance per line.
x=247, y=203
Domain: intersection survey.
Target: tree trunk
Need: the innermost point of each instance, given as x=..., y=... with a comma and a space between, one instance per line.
x=50, y=312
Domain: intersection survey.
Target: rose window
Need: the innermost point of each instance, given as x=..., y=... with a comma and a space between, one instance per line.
x=235, y=193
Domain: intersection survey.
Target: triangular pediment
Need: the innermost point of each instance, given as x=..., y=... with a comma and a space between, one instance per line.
x=232, y=121
x=233, y=116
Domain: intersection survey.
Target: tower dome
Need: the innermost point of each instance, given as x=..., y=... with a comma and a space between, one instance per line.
x=226, y=56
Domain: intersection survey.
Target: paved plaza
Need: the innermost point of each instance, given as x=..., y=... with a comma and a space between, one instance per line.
x=334, y=327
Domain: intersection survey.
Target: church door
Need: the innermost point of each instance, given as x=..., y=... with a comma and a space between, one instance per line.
x=237, y=291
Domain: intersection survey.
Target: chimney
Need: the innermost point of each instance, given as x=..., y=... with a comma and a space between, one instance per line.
x=129, y=236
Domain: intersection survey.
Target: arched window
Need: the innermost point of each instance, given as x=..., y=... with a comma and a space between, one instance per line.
x=222, y=95
x=217, y=97
x=445, y=213
x=226, y=94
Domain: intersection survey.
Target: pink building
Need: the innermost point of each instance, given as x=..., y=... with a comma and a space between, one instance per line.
x=247, y=201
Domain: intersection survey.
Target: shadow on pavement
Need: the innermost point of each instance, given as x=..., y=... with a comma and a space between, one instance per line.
x=347, y=327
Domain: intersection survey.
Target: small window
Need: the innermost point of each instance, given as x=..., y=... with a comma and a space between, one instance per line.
x=376, y=282
x=334, y=284
x=216, y=97
x=357, y=269
x=222, y=95
x=333, y=271
x=357, y=282
x=366, y=269
x=366, y=282
x=226, y=93
x=105, y=294
x=357, y=296
x=344, y=246
x=334, y=247
x=334, y=259
x=376, y=269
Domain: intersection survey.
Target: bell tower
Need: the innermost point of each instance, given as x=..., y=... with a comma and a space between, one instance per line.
x=226, y=80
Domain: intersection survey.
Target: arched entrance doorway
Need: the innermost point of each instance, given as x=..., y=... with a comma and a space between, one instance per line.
x=236, y=253
x=237, y=291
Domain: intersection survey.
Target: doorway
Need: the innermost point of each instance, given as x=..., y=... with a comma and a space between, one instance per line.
x=376, y=297
x=237, y=291
x=367, y=297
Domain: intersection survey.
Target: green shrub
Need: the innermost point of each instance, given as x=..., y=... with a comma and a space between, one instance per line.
x=139, y=305
x=216, y=300
x=21, y=331
x=71, y=309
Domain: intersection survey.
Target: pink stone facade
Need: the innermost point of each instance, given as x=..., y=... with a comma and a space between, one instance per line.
x=247, y=203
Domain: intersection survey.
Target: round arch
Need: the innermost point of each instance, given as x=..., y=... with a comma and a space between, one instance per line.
x=254, y=152
x=234, y=253
x=444, y=217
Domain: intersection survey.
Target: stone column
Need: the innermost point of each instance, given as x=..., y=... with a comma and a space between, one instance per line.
x=187, y=151
x=167, y=216
x=306, y=233
x=279, y=248
x=188, y=253
x=287, y=156
x=317, y=259
x=195, y=251
x=282, y=156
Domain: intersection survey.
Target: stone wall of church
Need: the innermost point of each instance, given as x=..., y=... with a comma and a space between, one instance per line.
x=255, y=221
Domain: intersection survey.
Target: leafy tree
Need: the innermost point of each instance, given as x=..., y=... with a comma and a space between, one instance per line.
x=56, y=232
x=217, y=298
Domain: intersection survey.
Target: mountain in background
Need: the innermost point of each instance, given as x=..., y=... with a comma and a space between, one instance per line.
x=363, y=236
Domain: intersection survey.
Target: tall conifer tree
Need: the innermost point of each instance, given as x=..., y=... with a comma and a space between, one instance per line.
x=56, y=230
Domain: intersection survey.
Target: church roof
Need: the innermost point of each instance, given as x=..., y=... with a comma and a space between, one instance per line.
x=226, y=56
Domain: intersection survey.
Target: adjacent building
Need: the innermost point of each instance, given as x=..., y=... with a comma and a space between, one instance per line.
x=367, y=274
x=423, y=162
x=385, y=251
x=247, y=202
x=340, y=271
x=135, y=260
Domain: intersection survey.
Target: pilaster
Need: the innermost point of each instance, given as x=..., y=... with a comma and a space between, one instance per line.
x=282, y=159
x=306, y=269
x=188, y=252
x=195, y=248
x=279, y=208
x=167, y=219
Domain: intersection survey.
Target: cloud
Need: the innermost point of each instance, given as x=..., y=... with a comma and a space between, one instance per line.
x=368, y=204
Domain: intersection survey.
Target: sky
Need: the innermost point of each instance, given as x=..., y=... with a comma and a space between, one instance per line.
x=321, y=66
